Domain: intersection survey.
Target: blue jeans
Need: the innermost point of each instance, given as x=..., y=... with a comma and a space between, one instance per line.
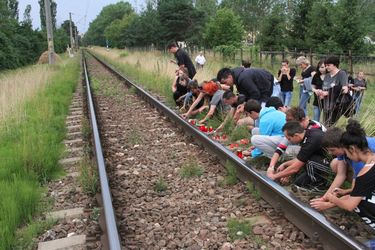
x=358, y=100
x=188, y=98
x=317, y=113
x=286, y=97
x=303, y=101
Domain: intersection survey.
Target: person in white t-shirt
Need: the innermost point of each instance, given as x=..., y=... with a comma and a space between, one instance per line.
x=200, y=60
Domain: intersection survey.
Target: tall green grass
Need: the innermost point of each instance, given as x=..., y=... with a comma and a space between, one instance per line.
x=30, y=148
x=154, y=81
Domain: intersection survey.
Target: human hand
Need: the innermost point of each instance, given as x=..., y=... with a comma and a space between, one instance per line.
x=281, y=168
x=285, y=180
x=185, y=115
x=202, y=121
x=320, y=204
x=339, y=192
x=330, y=197
x=324, y=93
x=202, y=108
x=271, y=173
x=345, y=89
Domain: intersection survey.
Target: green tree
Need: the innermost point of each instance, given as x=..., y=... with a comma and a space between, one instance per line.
x=320, y=39
x=19, y=44
x=13, y=8
x=272, y=32
x=117, y=31
x=208, y=7
x=61, y=39
x=297, y=11
x=95, y=34
x=224, y=31
x=27, y=17
x=368, y=13
x=180, y=21
x=42, y=13
x=350, y=28
x=251, y=12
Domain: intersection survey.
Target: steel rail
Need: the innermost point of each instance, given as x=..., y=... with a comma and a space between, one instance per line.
x=109, y=215
x=308, y=220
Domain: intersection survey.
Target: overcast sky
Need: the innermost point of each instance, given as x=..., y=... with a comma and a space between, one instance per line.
x=83, y=11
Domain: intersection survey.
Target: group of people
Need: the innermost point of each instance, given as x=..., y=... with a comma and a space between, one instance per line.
x=279, y=131
x=335, y=92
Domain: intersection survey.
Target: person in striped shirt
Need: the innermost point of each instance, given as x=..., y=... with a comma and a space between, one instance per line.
x=290, y=151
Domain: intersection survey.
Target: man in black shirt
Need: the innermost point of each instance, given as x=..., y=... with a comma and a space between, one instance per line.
x=182, y=59
x=254, y=83
x=311, y=155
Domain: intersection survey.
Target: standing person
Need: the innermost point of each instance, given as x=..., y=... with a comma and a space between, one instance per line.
x=304, y=91
x=285, y=76
x=182, y=59
x=200, y=60
x=317, y=85
x=254, y=83
x=335, y=85
x=358, y=88
x=361, y=198
x=246, y=63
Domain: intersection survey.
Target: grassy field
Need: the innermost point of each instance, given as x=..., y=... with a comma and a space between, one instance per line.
x=18, y=86
x=31, y=131
x=152, y=70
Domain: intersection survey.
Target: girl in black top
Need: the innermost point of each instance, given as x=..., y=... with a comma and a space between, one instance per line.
x=317, y=85
x=362, y=198
x=285, y=77
x=179, y=86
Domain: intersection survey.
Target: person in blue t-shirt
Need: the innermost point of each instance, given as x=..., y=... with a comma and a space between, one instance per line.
x=271, y=121
x=345, y=168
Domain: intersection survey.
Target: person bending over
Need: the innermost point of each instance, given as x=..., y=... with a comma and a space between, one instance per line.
x=362, y=198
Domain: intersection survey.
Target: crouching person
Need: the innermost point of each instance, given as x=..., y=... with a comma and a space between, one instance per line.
x=271, y=121
x=311, y=156
x=362, y=198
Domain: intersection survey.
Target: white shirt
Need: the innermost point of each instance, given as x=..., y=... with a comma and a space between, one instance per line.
x=200, y=59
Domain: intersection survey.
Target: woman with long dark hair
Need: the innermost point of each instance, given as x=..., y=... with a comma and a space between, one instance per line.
x=335, y=87
x=362, y=197
x=317, y=86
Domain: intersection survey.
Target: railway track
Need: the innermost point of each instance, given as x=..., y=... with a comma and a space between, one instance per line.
x=121, y=155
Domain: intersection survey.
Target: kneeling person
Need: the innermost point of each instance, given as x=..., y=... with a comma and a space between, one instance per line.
x=311, y=155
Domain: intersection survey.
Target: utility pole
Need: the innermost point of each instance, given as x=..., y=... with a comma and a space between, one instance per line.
x=71, y=32
x=76, y=37
x=51, y=49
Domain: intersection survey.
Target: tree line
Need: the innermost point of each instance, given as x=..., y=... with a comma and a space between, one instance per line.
x=20, y=44
x=326, y=26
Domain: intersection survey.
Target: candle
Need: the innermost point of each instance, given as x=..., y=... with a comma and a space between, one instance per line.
x=239, y=154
